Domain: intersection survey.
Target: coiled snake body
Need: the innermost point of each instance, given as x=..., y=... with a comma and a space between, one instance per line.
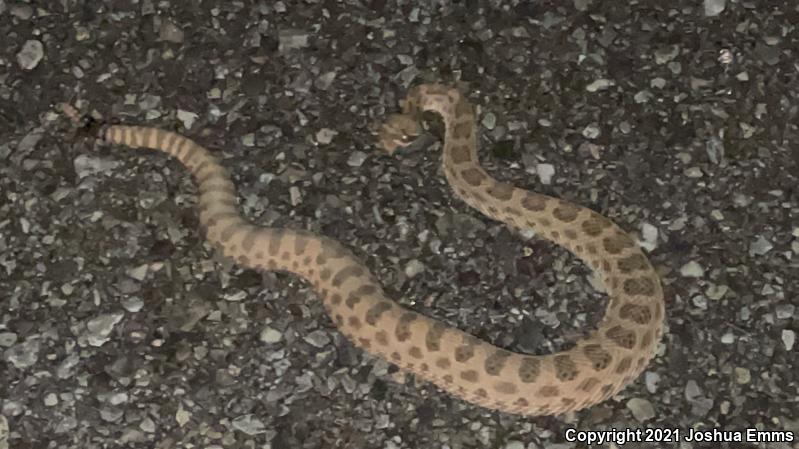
x=596, y=368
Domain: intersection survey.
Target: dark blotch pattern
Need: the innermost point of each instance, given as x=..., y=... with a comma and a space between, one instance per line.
x=462, y=109
x=374, y=312
x=633, y=262
x=403, y=329
x=565, y=368
x=501, y=191
x=635, y=313
x=549, y=391
x=434, y=335
x=505, y=387
x=470, y=376
x=595, y=224
x=460, y=154
x=566, y=212
x=496, y=361
x=529, y=370
x=354, y=322
x=625, y=338
x=346, y=273
x=624, y=365
x=473, y=176
x=462, y=130
x=534, y=202
x=600, y=359
x=381, y=337
x=465, y=351
x=301, y=241
x=415, y=352
x=646, y=340
x=617, y=243
x=639, y=286
x=352, y=300
x=588, y=385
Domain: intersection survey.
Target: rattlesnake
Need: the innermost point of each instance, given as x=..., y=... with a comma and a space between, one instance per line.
x=596, y=368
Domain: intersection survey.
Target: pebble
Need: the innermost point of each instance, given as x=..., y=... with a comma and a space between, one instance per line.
x=788, y=339
x=100, y=328
x=295, y=195
x=413, y=268
x=50, y=400
x=292, y=40
x=133, y=304
x=692, y=270
x=714, y=7
x=139, y=273
x=742, y=375
x=188, y=118
x=23, y=355
x=182, y=416
x=514, y=444
x=21, y=11
x=716, y=292
x=111, y=414
x=545, y=173
x=651, y=380
x=600, y=84
x=4, y=431
x=325, y=135
x=649, y=234
x=760, y=247
x=7, y=339
x=641, y=409
x=31, y=54
x=270, y=335
x=693, y=172
x=666, y=54
x=169, y=32
x=785, y=311
x=249, y=424
x=591, y=131
x=147, y=425
x=325, y=80
x=489, y=120
x=356, y=159
x=317, y=338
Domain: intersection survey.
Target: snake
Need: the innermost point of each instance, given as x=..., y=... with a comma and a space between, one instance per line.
x=599, y=364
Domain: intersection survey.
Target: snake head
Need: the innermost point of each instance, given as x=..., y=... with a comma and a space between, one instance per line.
x=398, y=131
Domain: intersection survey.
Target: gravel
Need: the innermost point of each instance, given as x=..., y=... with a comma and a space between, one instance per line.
x=121, y=328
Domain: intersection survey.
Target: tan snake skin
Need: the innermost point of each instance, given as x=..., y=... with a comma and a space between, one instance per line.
x=596, y=368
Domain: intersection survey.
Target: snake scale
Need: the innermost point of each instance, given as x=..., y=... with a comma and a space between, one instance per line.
x=594, y=369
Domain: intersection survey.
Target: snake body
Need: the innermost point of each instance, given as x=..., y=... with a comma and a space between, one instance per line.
x=596, y=368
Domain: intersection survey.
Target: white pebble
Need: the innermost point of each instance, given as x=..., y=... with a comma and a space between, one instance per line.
x=692, y=270
x=270, y=335
x=514, y=444
x=714, y=7
x=413, y=268
x=641, y=409
x=788, y=339
x=600, y=84
x=32, y=52
x=325, y=135
x=545, y=173
x=50, y=400
x=187, y=118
